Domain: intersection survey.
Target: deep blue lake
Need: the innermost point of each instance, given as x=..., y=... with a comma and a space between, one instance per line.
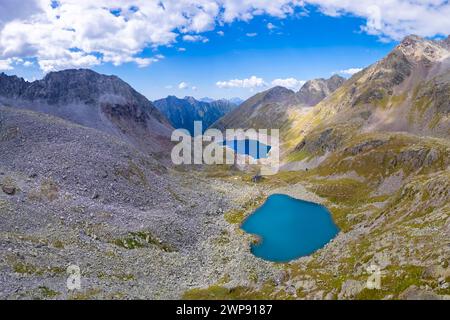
x=289, y=228
x=253, y=148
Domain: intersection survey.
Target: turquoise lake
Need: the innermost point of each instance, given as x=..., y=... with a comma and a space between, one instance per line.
x=289, y=228
x=253, y=148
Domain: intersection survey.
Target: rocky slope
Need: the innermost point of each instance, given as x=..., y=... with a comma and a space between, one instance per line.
x=101, y=102
x=183, y=112
x=74, y=192
x=264, y=110
x=272, y=108
x=75, y=195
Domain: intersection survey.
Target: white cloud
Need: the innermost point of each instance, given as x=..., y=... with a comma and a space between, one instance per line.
x=84, y=33
x=290, y=83
x=221, y=33
x=181, y=49
x=35, y=29
x=251, y=34
x=271, y=26
x=12, y=9
x=183, y=85
x=142, y=62
x=195, y=38
x=6, y=65
x=393, y=19
x=350, y=71
x=252, y=82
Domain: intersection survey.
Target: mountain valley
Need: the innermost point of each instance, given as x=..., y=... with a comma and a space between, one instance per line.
x=183, y=112
x=87, y=180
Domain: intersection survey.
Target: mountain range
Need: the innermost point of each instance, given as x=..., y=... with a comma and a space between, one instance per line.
x=271, y=108
x=86, y=179
x=237, y=101
x=407, y=91
x=84, y=97
x=183, y=112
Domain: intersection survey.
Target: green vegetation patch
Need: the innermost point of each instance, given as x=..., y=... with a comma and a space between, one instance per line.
x=235, y=216
x=298, y=156
x=48, y=293
x=238, y=216
x=395, y=280
x=217, y=292
x=142, y=239
x=85, y=295
x=341, y=191
x=29, y=269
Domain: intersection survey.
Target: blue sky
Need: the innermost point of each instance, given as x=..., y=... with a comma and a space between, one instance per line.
x=297, y=46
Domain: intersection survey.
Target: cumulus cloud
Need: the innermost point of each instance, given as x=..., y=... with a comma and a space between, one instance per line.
x=6, y=65
x=251, y=83
x=221, y=33
x=195, y=38
x=183, y=85
x=255, y=82
x=12, y=10
x=350, y=71
x=76, y=33
x=290, y=83
x=271, y=26
x=251, y=34
x=393, y=19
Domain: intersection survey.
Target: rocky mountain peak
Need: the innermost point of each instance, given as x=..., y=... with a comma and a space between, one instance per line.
x=278, y=92
x=316, y=90
x=12, y=86
x=335, y=82
x=418, y=49
x=82, y=85
x=191, y=99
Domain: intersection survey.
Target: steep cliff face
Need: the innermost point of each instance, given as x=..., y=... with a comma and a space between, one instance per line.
x=101, y=102
x=12, y=86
